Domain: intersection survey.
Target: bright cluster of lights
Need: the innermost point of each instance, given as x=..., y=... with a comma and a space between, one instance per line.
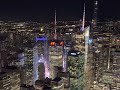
x=47, y=72
x=61, y=43
x=41, y=39
x=53, y=43
x=118, y=40
x=90, y=41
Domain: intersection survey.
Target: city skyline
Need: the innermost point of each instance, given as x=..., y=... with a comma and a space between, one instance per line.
x=59, y=45
x=66, y=10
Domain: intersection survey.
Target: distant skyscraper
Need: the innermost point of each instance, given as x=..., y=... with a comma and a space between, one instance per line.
x=41, y=71
x=28, y=66
x=55, y=57
x=88, y=60
x=35, y=62
x=94, y=20
x=41, y=54
x=75, y=68
x=55, y=34
x=116, y=68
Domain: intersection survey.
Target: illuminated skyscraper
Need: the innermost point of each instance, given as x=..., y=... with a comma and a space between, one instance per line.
x=55, y=55
x=35, y=62
x=116, y=69
x=88, y=64
x=10, y=79
x=28, y=66
x=76, y=69
x=41, y=55
x=41, y=71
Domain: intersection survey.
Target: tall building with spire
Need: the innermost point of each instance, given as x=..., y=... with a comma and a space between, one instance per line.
x=83, y=22
x=94, y=20
x=55, y=52
x=89, y=64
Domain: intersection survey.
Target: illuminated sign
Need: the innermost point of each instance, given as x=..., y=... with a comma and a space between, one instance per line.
x=74, y=53
x=41, y=39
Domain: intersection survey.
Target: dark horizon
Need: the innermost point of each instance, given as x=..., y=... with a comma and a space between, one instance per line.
x=43, y=10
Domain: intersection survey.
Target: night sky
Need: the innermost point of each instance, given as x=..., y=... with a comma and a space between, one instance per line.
x=43, y=10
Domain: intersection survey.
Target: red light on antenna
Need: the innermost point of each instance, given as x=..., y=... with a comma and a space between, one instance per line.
x=61, y=43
